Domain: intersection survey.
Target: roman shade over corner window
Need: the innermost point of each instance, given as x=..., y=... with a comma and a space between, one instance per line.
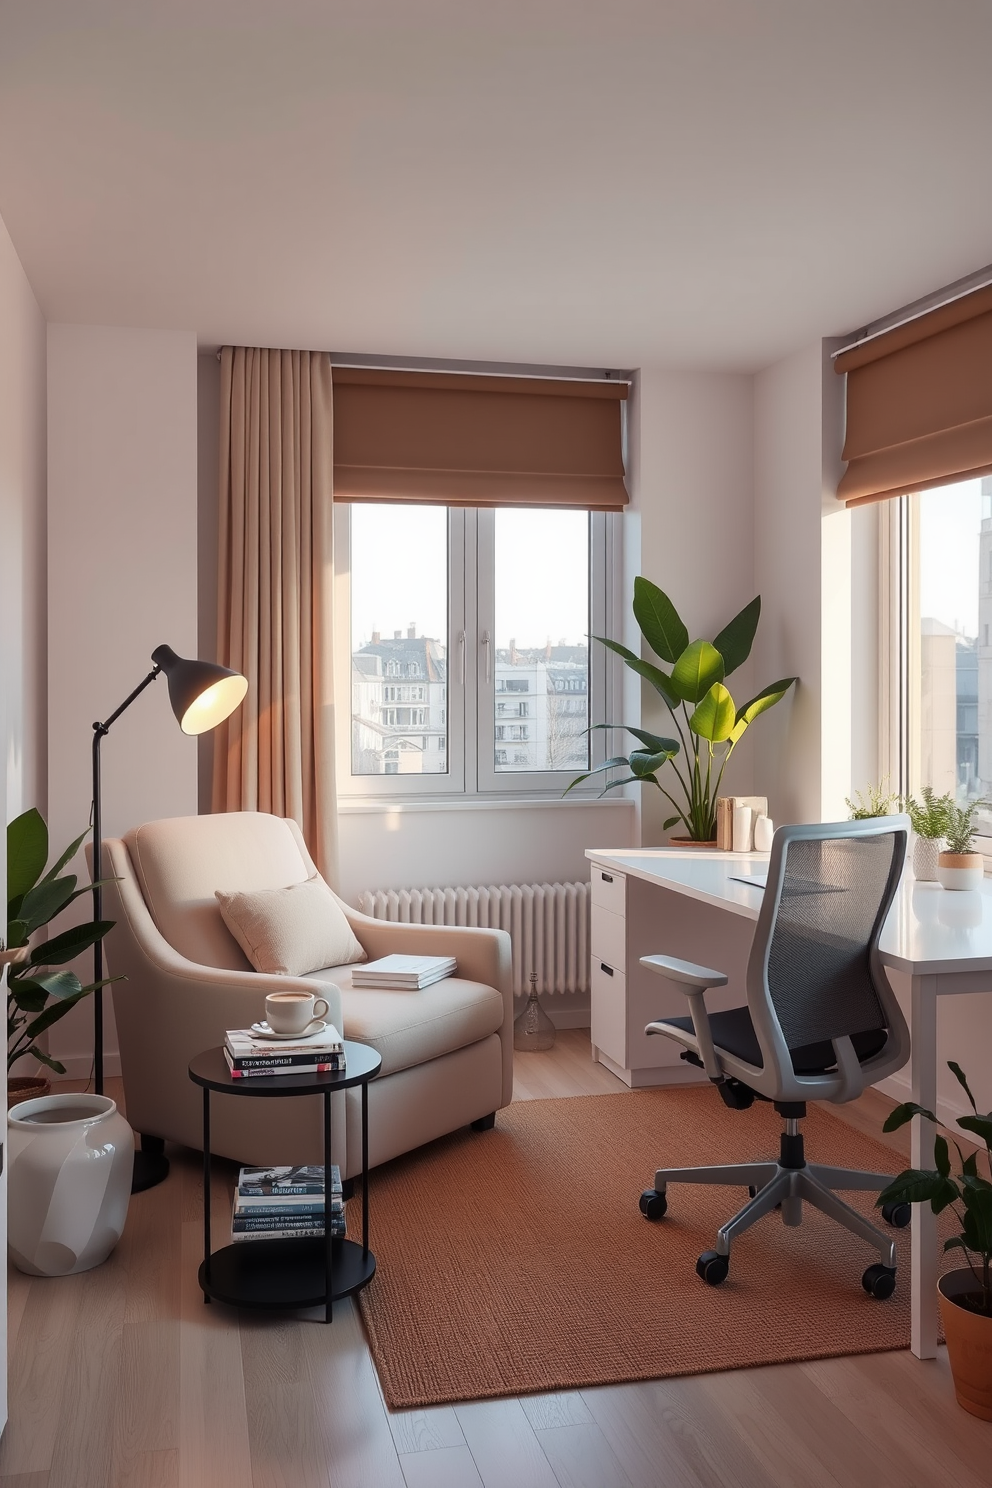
x=919, y=402
x=463, y=440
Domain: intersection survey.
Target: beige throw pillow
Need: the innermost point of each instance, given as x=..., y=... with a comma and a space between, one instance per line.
x=291, y=931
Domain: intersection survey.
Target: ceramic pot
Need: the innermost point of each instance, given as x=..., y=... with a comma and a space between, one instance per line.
x=69, y=1174
x=926, y=851
x=969, y=1344
x=963, y=871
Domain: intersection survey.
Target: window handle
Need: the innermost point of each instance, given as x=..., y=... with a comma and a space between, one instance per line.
x=461, y=655
x=487, y=642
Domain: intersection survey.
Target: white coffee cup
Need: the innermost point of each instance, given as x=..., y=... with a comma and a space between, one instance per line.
x=292, y=1012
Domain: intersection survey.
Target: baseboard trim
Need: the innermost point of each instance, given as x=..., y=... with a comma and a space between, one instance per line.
x=579, y=1017
x=80, y=1067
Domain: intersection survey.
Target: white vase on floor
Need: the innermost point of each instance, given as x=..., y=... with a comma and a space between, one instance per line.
x=69, y=1159
x=926, y=851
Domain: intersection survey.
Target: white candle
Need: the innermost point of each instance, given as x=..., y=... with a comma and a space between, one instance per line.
x=742, y=828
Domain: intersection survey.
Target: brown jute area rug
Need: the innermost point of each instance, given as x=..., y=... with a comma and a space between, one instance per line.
x=515, y=1260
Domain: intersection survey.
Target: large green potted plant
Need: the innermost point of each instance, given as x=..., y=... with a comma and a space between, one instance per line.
x=40, y=990
x=965, y=1295
x=708, y=722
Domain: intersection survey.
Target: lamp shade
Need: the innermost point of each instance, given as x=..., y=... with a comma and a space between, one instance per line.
x=202, y=693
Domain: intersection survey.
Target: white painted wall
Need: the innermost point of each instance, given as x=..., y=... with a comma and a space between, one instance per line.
x=22, y=590
x=122, y=545
x=692, y=438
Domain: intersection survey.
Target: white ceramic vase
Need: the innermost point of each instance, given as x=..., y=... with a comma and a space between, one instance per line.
x=962, y=871
x=926, y=851
x=69, y=1159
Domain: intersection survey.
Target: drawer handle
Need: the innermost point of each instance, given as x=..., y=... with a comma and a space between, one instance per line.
x=607, y=877
x=608, y=969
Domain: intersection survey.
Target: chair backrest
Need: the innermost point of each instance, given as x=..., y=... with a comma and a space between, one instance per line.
x=815, y=973
x=179, y=863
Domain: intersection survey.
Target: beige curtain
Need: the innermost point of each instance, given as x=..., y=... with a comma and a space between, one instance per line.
x=276, y=753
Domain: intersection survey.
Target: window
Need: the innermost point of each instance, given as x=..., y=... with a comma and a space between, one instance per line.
x=941, y=664
x=490, y=610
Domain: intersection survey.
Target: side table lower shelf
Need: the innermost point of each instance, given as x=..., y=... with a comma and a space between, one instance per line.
x=284, y=1273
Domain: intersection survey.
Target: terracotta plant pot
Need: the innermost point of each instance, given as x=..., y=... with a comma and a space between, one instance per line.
x=961, y=871
x=690, y=842
x=26, y=1087
x=969, y=1344
x=926, y=851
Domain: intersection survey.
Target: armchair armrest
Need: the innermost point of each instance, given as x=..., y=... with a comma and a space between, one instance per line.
x=694, y=981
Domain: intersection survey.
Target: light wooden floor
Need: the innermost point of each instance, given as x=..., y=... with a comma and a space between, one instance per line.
x=122, y=1378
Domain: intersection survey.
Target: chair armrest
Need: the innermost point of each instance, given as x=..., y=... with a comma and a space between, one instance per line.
x=686, y=972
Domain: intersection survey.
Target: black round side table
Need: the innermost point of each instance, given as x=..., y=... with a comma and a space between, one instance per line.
x=308, y=1271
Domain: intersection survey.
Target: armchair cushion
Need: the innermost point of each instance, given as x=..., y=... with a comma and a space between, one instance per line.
x=290, y=931
x=409, y=1028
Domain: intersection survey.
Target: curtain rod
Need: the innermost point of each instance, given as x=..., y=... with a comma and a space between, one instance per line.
x=980, y=279
x=474, y=369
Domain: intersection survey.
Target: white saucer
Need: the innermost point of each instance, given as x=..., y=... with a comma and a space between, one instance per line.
x=262, y=1030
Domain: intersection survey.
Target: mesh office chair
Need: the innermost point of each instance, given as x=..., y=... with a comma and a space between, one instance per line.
x=821, y=1022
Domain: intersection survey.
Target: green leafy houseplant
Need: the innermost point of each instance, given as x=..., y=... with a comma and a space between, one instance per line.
x=959, y=832
x=39, y=990
x=873, y=801
x=930, y=816
x=968, y=1192
x=708, y=722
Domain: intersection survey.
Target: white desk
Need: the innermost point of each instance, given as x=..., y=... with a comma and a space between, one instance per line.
x=941, y=940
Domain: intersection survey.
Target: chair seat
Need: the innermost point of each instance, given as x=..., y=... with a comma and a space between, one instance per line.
x=409, y=1028
x=733, y=1031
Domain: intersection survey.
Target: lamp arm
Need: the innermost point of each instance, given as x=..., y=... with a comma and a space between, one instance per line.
x=99, y=730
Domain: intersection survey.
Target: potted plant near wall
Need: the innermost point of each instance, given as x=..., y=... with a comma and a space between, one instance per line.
x=965, y=1295
x=708, y=722
x=40, y=990
x=930, y=818
x=873, y=801
x=959, y=866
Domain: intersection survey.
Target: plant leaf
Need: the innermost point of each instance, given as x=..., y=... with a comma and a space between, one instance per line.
x=713, y=718
x=70, y=943
x=670, y=822
x=736, y=639
x=916, y=1186
x=765, y=699
x=615, y=763
x=901, y=1114
x=46, y=1059
x=660, y=681
x=698, y=667
x=644, y=762
x=70, y=852
x=980, y=1125
x=661, y=625
x=60, y=983
x=956, y=1069
x=941, y=1156
x=655, y=741
x=45, y=900
x=27, y=852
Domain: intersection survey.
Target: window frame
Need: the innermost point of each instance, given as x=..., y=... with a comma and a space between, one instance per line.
x=471, y=737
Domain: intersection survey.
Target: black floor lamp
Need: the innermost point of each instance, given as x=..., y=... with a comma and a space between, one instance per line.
x=202, y=695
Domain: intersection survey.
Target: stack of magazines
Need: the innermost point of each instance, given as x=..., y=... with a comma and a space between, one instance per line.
x=407, y=973
x=283, y=1203
x=248, y=1053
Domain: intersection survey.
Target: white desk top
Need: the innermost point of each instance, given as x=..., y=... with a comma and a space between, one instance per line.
x=930, y=930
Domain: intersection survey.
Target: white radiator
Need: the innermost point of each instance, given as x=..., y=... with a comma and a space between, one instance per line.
x=548, y=924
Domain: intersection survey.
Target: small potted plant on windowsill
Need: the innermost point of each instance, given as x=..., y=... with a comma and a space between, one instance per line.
x=964, y=1295
x=930, y=817
x=873, y=801
x=959, y=866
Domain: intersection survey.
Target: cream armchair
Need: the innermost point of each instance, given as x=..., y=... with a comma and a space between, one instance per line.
x=447, y=1052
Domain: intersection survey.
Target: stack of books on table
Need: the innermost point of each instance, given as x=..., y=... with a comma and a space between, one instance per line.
x=285, y=1203
x=248, y=1053
x=407, y=973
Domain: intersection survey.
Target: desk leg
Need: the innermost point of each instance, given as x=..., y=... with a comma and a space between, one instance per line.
x=206, y=1189
x=924, y=1231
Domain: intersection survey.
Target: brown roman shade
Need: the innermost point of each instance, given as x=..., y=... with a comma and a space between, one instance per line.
x=463, y=440
x=919, y=402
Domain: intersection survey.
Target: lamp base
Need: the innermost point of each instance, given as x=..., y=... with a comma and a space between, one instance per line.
x=150, y=1169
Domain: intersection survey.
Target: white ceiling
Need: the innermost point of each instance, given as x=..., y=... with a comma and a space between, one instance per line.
x=703, y=183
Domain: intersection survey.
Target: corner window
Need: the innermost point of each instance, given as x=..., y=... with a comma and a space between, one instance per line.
x=484, y=616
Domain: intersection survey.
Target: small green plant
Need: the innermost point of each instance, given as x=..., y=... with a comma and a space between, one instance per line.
x=931, y=815
x=968, y=1192
x=38, y=995
x=875, y=800
x=959, y=833
x=708, y=722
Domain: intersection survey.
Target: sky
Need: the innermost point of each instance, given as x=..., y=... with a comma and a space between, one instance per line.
x=950, y=521
x=399, y=564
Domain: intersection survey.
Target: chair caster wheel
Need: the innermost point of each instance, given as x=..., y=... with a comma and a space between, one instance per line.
x=897, y=1215
x=879, y=1282
x=653, y=1204
x=713, y=1268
